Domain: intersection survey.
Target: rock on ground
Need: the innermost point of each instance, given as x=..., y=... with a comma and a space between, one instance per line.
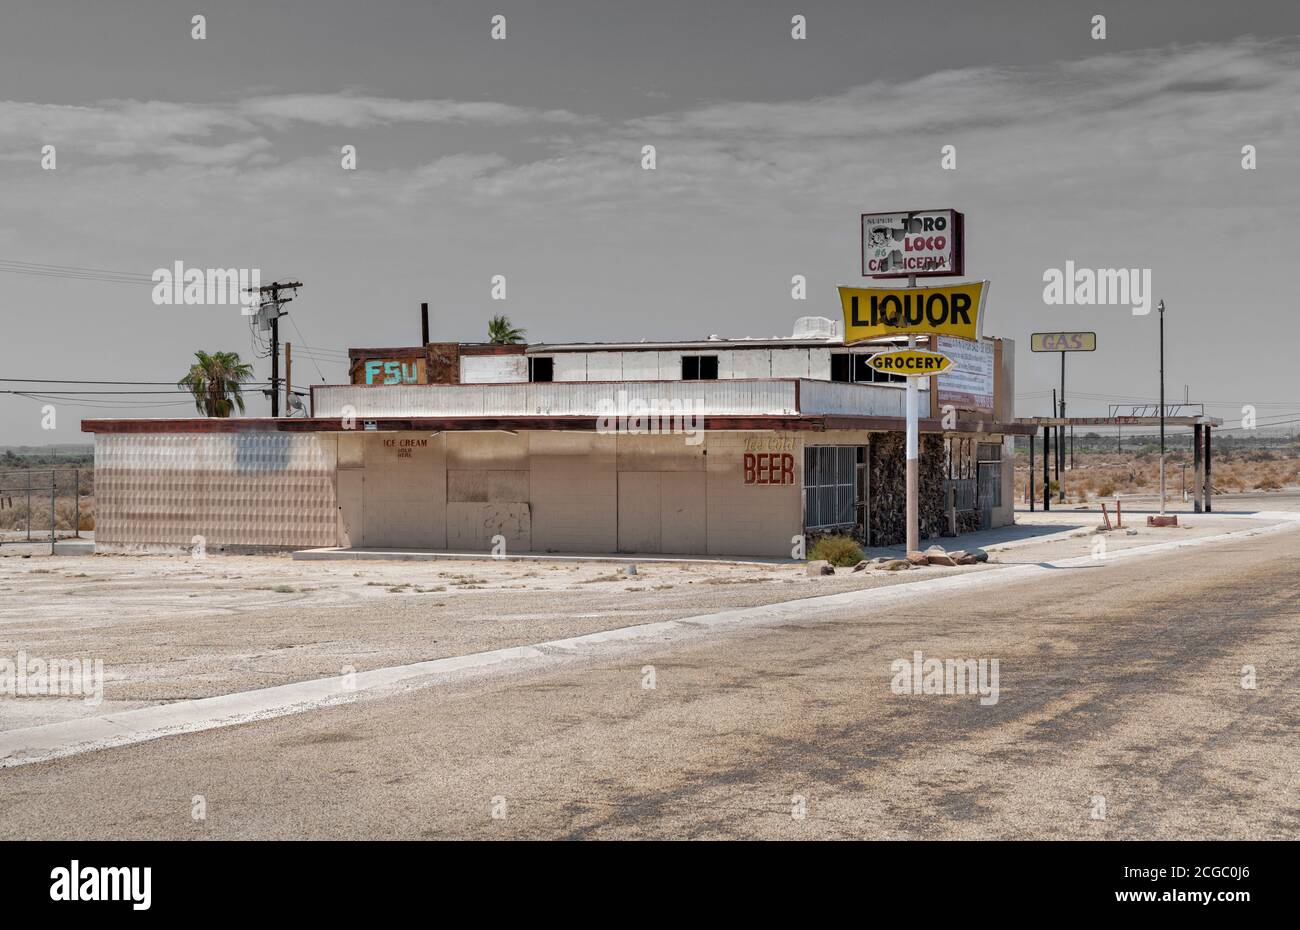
x=893, y=565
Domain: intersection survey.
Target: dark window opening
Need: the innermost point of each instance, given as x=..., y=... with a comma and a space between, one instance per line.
x=699, y=368
x=852, y=366
x=541, y=368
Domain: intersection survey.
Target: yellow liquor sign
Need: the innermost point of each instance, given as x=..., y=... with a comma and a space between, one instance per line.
x=950, y=310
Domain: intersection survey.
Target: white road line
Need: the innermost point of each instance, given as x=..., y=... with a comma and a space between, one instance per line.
x=71, y=737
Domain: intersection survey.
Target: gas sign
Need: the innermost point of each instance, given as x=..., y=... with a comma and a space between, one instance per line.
x=1063, y=342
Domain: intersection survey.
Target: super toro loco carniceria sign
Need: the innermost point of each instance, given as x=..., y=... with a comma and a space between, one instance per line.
x=920, y=242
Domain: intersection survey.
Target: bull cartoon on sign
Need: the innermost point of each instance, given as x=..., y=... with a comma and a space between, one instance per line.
x=880, y=247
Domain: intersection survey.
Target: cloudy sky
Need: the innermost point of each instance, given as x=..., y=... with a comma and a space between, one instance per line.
x=522, y=157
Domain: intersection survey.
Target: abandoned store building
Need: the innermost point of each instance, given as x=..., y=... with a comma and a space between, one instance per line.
x=729, y=447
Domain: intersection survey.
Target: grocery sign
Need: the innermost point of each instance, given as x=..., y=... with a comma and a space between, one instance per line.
x=1063, y=342
x=917, y=242
x=950, y=310
x=910, y=363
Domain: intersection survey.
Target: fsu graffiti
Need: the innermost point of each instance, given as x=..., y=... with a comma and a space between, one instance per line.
x=387, y=371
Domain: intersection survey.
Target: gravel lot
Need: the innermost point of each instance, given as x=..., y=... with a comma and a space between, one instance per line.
x=1120, y=681
x=171, y=628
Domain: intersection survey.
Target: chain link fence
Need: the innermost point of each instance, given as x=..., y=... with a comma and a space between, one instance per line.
x=46, y=504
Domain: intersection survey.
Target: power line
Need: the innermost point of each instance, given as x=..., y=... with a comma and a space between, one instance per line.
x=309, y=355
x=86, y=393
x=74, y=272
x=69, y=381
x=104, y=404
x=78, y=268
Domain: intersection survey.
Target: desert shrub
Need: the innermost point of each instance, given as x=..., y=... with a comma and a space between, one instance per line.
x=14, y=516
x=838, y=550
x=1106, y=488
x=1267, y=482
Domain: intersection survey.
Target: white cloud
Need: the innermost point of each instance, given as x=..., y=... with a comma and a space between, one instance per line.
x=226, y=133
x=353, y=111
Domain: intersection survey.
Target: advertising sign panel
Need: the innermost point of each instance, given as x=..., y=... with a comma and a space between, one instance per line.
x=920, y=242
x=949, y=310
x=1063, y=342
x=910, y=363
x=968, y=385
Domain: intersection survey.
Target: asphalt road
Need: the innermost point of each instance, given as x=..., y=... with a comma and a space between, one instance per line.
x=1120, y=681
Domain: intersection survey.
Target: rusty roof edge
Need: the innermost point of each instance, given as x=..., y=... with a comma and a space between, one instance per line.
x=716, y=422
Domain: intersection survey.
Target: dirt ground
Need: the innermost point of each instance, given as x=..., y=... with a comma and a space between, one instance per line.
x=1120, y=684
x=172, y=628
x=1081, y=536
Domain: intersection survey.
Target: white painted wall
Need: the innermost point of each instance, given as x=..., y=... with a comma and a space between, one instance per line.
x=666, y=365
x=493, y=369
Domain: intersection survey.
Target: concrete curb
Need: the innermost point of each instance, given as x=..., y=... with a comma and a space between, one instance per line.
x=341, y=554
x=70, y=737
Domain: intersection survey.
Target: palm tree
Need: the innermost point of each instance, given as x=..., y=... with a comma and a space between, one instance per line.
x=215, y=381
x=502, y=332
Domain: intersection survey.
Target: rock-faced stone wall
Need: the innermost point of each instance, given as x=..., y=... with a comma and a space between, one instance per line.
x=889, y=488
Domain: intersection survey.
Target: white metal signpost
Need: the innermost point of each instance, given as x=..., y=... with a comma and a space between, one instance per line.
x=918, y=242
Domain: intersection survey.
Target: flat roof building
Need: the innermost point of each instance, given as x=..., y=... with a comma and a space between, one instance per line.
x=727, y=447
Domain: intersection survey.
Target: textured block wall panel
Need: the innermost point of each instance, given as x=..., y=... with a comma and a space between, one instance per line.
x=241, y=489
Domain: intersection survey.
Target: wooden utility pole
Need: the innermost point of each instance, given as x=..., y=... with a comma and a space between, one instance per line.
x=275, y=301
x=288, y=375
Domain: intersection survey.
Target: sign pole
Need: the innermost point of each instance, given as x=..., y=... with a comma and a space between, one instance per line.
x=936, y=248
x=1161, y=308
x=1060, y=436
x=913, y=451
